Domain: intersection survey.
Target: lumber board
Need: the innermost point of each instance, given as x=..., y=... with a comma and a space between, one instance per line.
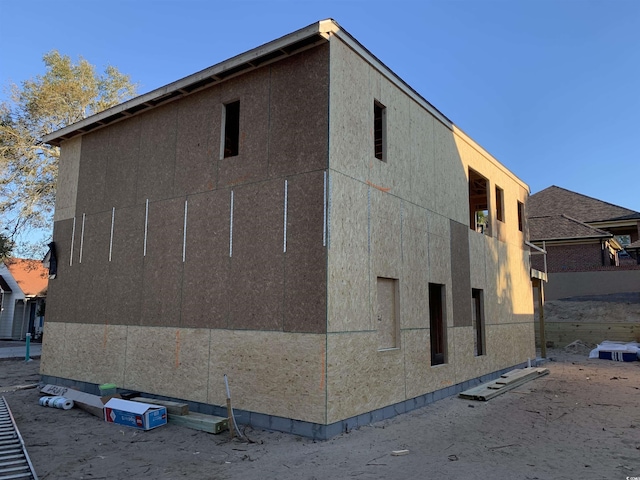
x=488, y=390
x=200, y=421
x=173, y=408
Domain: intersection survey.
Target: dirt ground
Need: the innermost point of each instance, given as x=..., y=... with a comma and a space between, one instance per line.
x=582, y=421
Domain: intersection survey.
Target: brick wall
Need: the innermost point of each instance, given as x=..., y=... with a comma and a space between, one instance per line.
x=577, y=258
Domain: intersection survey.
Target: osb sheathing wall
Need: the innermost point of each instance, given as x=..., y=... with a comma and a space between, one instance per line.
x=405, y=218
x=153, y=302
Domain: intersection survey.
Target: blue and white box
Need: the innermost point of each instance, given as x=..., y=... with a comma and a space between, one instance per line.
x=134, y=414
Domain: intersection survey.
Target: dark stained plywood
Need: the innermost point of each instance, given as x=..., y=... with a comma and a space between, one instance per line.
x=250, y=164
x=157, y=157
x=124, y=294
x=61, y=290
x=162, y=274
x=122, y=164
x=206, y=269
x=197, y=143
x=299, y=113
x=93, y=267
x=257, y=266
x=305, y=259
x=460, y=274
x=92, y=172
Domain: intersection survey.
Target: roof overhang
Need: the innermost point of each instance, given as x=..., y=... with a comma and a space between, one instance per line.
x=632, y=222
x=298, y=41
x=288, y=45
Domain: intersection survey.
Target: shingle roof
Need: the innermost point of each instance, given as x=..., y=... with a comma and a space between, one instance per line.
x=635, y=244
x=553, y=201
x=562, y=227
x=30, y=275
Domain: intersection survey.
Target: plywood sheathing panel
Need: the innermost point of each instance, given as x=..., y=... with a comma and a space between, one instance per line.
x=162, y=277
x=197, y=142
x=350, y=129
x=157, y=157
x=439, y=260
x=252, y=90
x=305, y=288
x=64, y=286
x=96, y=353
x=414, y=291
x=420, y=376
x=67, y=182
x=168, y=361
x=122, y=164
x=349, y=283
x=275, y=373
x=124, y=293
x=53, y=358
x=93, y=171
x=460, y=274
x=451, y=199
x=386, y=235
x=422, y=163
x=298, y=136
x=257, y=266
x=205, y=288
x=359, y=377
x=92, y=280
x=477, y=251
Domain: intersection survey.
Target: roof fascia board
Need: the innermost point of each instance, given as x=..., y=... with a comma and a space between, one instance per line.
x=322, y=28
x=571, y=241
x=615, y=223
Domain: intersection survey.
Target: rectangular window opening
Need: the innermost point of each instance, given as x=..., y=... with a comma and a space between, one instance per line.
x=388, y=313
x=479, y=220
x=477, y=308
x=437, y=324
x=380, y=130
x=520, y=216
x=231, y=129
x=499, y=204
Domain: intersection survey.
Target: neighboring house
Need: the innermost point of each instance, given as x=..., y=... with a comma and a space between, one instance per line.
x=296, y=217
x=589, y=243
x=23, y=290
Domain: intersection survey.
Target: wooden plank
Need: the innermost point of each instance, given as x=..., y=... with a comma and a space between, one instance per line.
x=488, y=390
x=71, y=394
x=199, y=421
x=173, y=408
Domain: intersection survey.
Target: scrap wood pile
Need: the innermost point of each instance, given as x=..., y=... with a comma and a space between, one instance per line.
x=506, y=382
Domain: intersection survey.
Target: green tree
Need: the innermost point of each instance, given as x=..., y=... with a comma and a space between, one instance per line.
x=67, y=93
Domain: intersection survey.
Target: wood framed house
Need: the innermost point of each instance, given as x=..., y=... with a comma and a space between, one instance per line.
x=298, y=218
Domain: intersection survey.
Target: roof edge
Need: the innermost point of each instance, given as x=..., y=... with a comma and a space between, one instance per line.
x=272, y=51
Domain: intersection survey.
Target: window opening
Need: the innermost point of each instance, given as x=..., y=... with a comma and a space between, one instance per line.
x=520, y=216
x=437, y=324
x=478, y=203
x=231, y=129
x=477, y=297
x=499, y=204
x=380, y=130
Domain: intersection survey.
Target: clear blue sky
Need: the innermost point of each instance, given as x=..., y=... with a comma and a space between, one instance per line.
x=550, y=87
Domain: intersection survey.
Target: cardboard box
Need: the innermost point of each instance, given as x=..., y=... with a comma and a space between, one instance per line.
x=143, y=416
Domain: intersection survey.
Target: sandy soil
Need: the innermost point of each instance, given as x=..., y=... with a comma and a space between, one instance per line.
x=580, y=422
